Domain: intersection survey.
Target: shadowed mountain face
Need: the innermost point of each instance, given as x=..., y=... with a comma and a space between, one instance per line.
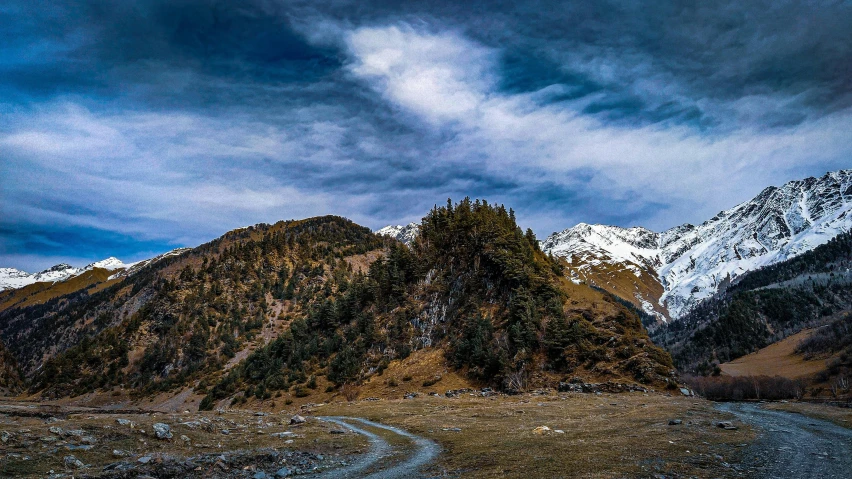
x=271, y=307
x=691, y=263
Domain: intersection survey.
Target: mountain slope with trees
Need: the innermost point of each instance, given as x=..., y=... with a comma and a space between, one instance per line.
x=762, y=307
x=278, y=309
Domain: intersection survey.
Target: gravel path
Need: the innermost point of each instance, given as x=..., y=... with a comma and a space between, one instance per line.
x=373, y=465
x=794, y=446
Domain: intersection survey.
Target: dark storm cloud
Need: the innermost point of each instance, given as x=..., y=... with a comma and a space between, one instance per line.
x=157, y=123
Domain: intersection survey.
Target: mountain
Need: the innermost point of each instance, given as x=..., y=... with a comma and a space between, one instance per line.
x=691, y=263
x=767, y=305
x=316, y=307
x=404, y=234
x=11, y=278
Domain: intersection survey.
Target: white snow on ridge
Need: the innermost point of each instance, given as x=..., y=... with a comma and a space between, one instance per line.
x=11, y=278
x=691, y=262
x=111, y=263
x=406, y=233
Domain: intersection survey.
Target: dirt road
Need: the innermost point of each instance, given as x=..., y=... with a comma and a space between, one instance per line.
x=403, y=456
x=794, y=446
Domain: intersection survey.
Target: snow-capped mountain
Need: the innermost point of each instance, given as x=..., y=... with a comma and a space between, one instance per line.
x=111, y=263
x=11, y=278
x=691, y=262
x=406, y=233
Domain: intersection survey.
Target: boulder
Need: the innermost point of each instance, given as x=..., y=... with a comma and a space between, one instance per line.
x=73, y=462
x=297, y=419
x=541, y=430
x=162, y=431
x=675, y=422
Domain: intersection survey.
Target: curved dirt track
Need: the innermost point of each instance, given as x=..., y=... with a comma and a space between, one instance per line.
x=794, y=446
x=378, y=463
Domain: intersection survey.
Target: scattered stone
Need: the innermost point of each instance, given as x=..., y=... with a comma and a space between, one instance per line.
x=56, y=430
x=452, y=429
x=452, y=393
x=120, y=453
x=288, y=441
x=371, y=399
x=185, y=439
x=85, y=447
x=281, y=434
x=541, y=430
x=225, y=431
x=728, y=425
x=559, y=431
x=487, y=392
x=259, y=475
x=675, y=422
x=124, y=422
x=297, y=420
x=5, y=436
x=686, y=392
x=337, y=431
x=283, y=472
x=260, y=413
x=144, y=459
x=577, y=385
x=162, y=431
x=410, y=395
x=73, y=462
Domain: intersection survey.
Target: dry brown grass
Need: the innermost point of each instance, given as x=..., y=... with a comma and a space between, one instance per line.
x=624, y=435
x=621, y=281
x=38, y=293
x=361, y=262
x=777, y=359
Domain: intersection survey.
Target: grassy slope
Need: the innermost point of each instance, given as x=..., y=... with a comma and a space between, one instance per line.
x=777, y=359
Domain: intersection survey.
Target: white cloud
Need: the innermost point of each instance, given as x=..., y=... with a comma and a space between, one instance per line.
x=447, y=81
x=440, y=77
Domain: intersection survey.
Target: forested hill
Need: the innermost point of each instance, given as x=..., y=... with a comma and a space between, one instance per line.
x=277, y=309
x=762, y=307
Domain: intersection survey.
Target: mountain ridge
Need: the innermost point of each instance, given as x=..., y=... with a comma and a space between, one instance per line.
x=692, y=263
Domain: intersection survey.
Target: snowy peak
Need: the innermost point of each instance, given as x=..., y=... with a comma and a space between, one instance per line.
x=11, y=278
x=693, y=262
x=111, y=263
x=636, y=244
x=406, y=233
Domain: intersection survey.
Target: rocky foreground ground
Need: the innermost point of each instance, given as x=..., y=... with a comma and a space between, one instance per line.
x=463, y=434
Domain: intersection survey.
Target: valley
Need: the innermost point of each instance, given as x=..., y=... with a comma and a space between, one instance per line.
x=545, y=434
x=461, y=346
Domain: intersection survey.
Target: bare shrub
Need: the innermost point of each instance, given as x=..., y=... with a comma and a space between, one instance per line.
x=728, y=388
x=349, y=391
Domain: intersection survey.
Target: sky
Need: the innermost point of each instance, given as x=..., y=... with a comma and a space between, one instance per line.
x=129, y=128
